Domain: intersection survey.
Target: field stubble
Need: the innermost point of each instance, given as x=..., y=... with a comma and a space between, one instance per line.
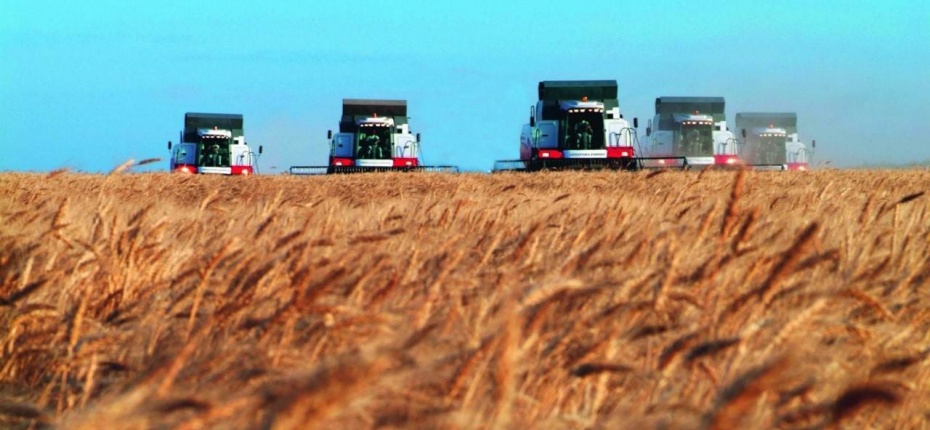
x=559, y=300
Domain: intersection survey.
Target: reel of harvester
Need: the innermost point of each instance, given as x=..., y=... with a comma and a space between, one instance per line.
x=767, y=167
x=591, y=164
x=334, y=170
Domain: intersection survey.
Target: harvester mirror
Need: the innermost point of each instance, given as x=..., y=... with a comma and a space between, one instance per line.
x=329, y=134
x=169, y=145
x=259, y=149
x=813, y=144
x=743, y=132
x=532, y=117
x=635, y=122
x=418, y=137
x=648, y=131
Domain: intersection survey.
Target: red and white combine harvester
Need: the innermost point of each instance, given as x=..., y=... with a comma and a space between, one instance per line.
x=374, y=136
x=576, y=125
x=213, y=143
x=694, y=128
x=770, y=141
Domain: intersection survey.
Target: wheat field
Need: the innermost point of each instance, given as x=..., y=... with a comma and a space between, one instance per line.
x=712, y=300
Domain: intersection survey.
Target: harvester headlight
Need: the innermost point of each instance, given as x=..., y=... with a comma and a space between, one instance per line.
x=338, y=163
x=409, y=163
x=731, y=161
x=545, y=155
x=624, y=154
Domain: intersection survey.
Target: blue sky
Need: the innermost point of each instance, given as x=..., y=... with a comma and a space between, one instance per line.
x=88, y=85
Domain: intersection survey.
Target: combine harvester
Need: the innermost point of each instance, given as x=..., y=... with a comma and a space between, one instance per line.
x=373, y=136
x=770, y=141
x=576, y=125
x=213, y=143
x=693, y=128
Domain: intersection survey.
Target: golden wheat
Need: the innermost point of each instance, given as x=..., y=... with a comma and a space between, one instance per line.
x=554, y=300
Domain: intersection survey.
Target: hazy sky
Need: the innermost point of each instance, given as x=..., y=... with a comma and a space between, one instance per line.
x=87, y=85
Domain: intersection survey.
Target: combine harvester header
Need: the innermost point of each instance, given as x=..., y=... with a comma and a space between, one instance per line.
x=694, y=128
x=213, y=143
x=771, y=141
x=374, y=136
x=576, y=125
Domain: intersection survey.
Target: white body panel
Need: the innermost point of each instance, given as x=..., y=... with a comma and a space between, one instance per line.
x=682, y=117
x=216, y=170
x=770, y=168
x=725, y=142
x=406, y=146
x=660, y=143
x=798, y=152
x=374, y=163
x=240, y=155
x=210, y=132
x=618, y=133
x=584, y=153
x=526, y=135
x=343, y=144
x=700, y=161
x=184, y=153
x=545, y=135
x=579, y=104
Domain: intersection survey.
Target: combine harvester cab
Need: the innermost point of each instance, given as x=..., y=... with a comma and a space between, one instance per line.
x=693, y=129
x=575, y=125
x=374, y=136
x=770, y=141
x=213, y=143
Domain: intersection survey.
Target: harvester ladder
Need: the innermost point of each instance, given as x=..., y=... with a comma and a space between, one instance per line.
x=738, y=144
x=411, y=147
x=808, y=155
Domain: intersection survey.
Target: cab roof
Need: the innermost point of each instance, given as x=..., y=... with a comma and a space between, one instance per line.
x=576, y=90
x=785, y=120
x=369, y=107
